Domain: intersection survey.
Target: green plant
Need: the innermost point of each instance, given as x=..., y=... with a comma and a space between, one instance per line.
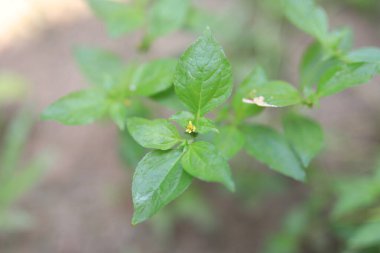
x=202, y=80
x=16, y=177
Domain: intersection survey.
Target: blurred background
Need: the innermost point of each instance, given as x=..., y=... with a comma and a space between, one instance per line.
x=67, y=189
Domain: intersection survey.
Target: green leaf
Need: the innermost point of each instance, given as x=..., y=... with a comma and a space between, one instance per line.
x=102, y=68
x=274, y=94
x=15, y=139
x=152, y=77
x=366, y=236
x=183, y=118
x=20, y=182
x=355, y=195
x=308, y=17
x=203, y=161
x=229, y=141
x=313, y=65
x=340, y=41
x=272, y=149
x=78, y=108
x=305, y=135
x=343, y=76
x=118, y=113
x=156, y=134
x=120, y=18
x=367, y=54
x=255, y=79
x=203, y=78
x=206, y=125
x=166, y=16
x=157, y=181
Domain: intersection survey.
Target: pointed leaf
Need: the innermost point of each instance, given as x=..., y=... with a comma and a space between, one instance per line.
x=157, y=134
x=203, y=161
x=343, y=76
x=271, y=148
x=203, y=78
x=229, y=141
x=77, y=108
x=308, y=17
x=157, y=181
x=305, y=135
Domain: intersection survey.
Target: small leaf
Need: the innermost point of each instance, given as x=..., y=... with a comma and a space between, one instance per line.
x=203, y=125
x=313, y=65
x=229, y=141
x=305, y=135
x=271, y=148
x=120, y=18
x=118, y=113
x=166, y=16
x=102, y=68
x=308, y=17
x=203, y=161
x=157, y=181
x=255, y=79
x=157, y=134
x=367, y=235
x=203, y=78
x=273, y=94
x=78, y=108
x=152, y=77
x=183, y=118
x=343, y=76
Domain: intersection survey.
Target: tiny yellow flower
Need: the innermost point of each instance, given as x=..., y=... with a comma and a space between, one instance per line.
x=190, y=128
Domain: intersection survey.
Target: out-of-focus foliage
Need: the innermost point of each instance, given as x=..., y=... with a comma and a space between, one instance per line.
x=345, y=218
x=16, y=177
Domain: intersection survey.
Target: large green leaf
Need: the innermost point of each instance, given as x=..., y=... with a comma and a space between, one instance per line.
x=202, y=160
x=157, y=134
x=152, y=77
x=308, y=17
x=273, y=94
x=78, y=108
x=203, y=78
x=100, y=67
x=157, y=181
x=119, y=17
x=305, y=135
x=229, y=141
x=272, y=149
x=255, y=79
x=343, y=76
x=166, y=16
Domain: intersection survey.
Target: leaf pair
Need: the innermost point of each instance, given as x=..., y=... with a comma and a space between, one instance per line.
x=115, y=85
x=202, y=82
x=328, y=63
x=288, y=154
